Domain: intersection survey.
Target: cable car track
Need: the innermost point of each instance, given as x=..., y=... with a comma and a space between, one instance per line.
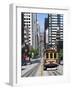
x=58, y=72
x=31, y=72
x=53, y=72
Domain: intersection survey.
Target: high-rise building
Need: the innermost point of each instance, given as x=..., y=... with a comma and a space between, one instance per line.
x=38, y=36
x=30, y=30
x=34, y=29
x=26, y=19
x=41, y=42
x=46, y=33
x=26, y=32
x=35, y=32
x=53, y=23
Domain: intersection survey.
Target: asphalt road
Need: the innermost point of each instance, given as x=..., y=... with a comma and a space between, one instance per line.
x=31, y=69
x=54, y=71
x=36, y=69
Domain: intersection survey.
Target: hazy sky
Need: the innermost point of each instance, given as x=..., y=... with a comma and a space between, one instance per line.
x=41, y=19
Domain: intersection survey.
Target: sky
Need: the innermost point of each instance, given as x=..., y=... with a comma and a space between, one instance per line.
x=41, y=19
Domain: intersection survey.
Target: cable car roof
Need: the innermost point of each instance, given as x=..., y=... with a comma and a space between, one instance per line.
x=50, y=50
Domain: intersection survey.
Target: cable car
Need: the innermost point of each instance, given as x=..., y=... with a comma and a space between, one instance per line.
x=50, y=58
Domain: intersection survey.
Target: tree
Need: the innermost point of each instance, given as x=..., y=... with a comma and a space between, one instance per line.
x=34, y=51
x=61, y=54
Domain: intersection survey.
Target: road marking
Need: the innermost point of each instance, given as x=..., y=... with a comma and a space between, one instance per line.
x=54, y=73
x=58, y=72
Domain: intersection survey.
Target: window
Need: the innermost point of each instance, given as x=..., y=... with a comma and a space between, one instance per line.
x=29, y=22
x=50, y=55
x=46, y=55
x=53, y=32
x=54, y=55
x=29, y=15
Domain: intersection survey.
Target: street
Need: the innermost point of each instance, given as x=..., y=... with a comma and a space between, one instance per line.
x=36, y=69
x=53, y=72
x=42, y=37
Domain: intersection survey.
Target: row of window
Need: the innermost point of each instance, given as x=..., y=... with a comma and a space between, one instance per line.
x=26, y=24
x=26, y=15
x=51, y=55
x=28, y=28
x=26, y=18
x=54, y=36
x=56, y=25
x=26, y=12
x=55, y=20
x=26, y=21
x=54, y=14
x=55, y=28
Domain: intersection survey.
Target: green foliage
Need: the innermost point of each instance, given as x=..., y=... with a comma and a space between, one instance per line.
x=61, y=54
x=34, y=51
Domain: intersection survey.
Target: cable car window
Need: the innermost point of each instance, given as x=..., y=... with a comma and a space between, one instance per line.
x=50, y=55
x=54, y=55
x=46, y=55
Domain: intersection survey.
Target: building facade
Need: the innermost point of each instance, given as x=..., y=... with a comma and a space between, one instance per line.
x=35, y=32
x=46, y=32
x=41, y=43
x=26, y=31
x=30, y=30
x=34, y=29
x=53, y=23
x=38, y=38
